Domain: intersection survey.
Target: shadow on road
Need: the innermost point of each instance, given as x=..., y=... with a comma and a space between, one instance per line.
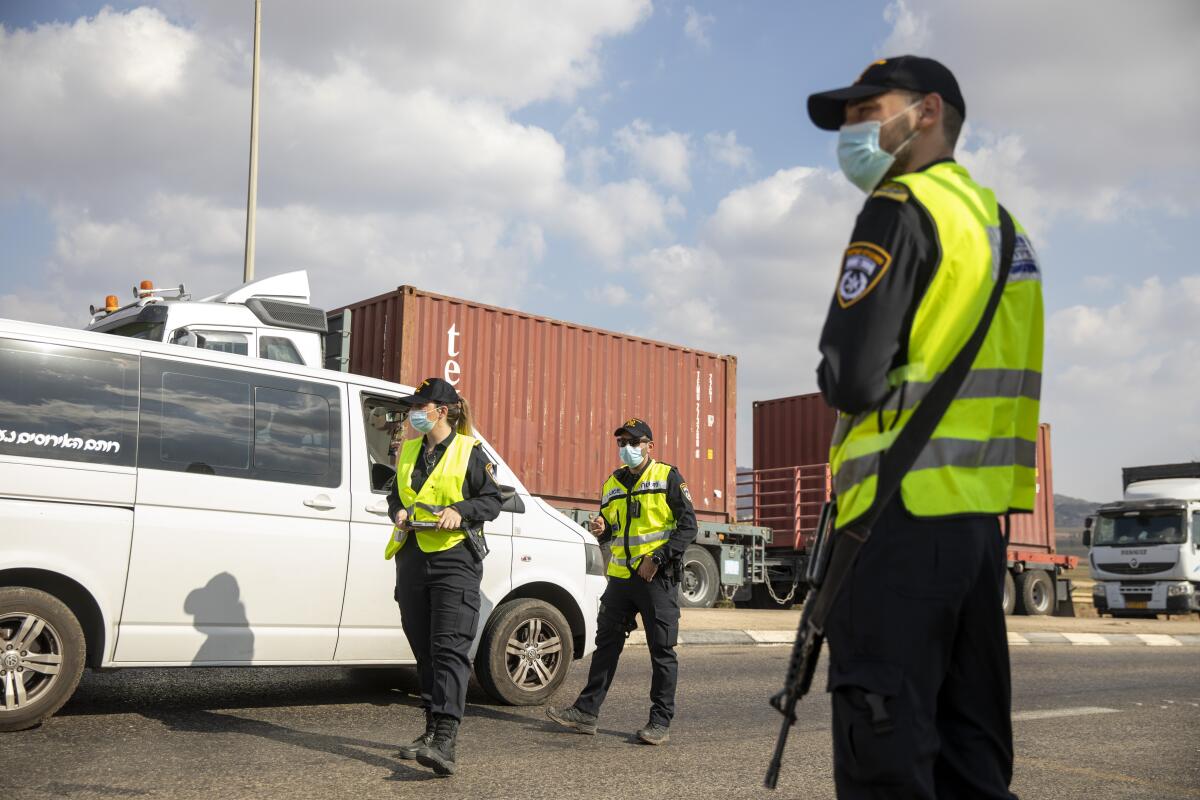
x=341, y=746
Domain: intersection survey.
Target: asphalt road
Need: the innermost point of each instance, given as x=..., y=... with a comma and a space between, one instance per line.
x=330, y=733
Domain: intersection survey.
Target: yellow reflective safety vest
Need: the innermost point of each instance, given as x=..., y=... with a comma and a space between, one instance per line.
x=443, y=487
x=637, y=537
x=982, y=456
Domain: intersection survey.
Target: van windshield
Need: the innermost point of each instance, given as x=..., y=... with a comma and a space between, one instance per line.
x=137, y=329
x=1140, y=529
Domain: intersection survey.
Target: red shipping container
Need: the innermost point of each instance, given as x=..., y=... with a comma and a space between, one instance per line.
x=792, y=431
x=548, y=394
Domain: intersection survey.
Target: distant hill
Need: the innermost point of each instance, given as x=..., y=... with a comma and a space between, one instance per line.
x=1069, y=512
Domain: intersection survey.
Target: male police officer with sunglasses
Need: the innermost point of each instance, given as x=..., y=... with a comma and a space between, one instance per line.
x=646, y=512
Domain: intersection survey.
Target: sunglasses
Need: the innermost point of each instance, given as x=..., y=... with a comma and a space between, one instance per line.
x=625, y=441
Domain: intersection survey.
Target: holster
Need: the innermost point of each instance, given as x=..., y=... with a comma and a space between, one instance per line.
x=476, y=543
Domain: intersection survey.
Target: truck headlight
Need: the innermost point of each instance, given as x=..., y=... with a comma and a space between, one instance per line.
x=1176, y=589
x=593, y=559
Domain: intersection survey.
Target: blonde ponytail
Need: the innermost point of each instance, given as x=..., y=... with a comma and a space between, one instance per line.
x=460, y=414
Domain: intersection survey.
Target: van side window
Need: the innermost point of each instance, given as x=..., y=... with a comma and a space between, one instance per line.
x=383, y=423
x=291, y=432
x=205, y=422
x=68, y=403
x=216, y=421
x=278, y=348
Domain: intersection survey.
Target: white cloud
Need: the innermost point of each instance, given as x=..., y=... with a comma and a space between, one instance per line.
x=664, y=157
x=580, y=124
x=389, y=152
x=910, y=30
x=1100, y=134
x=1121, y=386
x=696, y=27
x=610, y=294
x=723, y=148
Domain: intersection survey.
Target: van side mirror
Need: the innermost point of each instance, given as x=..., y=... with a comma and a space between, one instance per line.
x=512, y=501
x=187, y=338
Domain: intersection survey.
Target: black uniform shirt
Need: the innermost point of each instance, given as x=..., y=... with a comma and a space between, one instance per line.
x=481, y=493
x=885, y=271
x=679, y=500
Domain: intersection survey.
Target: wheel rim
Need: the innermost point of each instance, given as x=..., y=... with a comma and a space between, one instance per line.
x=1004, y=602
x=533, y=654
x=1039, y=595
x=30, y=660
x=694, y=582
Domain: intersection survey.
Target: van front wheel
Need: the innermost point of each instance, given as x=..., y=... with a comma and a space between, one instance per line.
x=41, y=656
x=524, y=653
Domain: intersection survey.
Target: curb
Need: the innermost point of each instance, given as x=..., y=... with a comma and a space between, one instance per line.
x=767, y=638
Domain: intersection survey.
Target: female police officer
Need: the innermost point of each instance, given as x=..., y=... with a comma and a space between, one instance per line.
x=444, y=478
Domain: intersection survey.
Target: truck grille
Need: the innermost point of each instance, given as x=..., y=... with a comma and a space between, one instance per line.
x=1148, y=568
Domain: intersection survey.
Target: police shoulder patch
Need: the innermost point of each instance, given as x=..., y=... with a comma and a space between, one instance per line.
x=683, y=488
x=863, y=267
x=893, y=191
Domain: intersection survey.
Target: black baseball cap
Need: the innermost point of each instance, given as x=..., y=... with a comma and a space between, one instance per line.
x=913, y=73
x=635, y=429
x=432, y=390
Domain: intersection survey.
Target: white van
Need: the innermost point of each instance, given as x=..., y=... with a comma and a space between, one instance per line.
x=167, y=506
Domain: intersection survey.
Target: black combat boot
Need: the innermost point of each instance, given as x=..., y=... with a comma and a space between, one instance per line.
x=409, y=751
x=439, y=755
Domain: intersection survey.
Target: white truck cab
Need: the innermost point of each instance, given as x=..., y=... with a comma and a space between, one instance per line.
x=1145, y=549
x=169, y=506
x=270, y=318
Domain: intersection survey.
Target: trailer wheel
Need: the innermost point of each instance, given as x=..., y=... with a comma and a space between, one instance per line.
x=1010, y=594
x=700, y=582
x=524, y=653
x=1035, y=593
x=41, y=656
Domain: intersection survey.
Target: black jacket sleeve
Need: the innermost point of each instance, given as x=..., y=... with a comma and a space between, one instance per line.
x=481, y=494
x=393, y=499
x=885, y=271
x=680, y=501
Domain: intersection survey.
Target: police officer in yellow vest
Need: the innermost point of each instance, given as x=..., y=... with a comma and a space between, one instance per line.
x=646, y=513
x=919, y=670
x=443, y=477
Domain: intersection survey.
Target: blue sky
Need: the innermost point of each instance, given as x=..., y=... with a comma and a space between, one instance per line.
x=643, y=167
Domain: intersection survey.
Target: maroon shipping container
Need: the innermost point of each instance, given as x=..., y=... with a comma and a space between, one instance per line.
x=548, y=394
x=791, y=431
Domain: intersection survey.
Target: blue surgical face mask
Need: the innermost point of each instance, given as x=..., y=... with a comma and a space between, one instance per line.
x=420, y=421
x=631, y=456
x=860, y=155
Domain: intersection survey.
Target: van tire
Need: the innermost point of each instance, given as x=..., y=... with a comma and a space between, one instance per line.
x=60, y=636
x=514, y=622
x=1009, y=603
x=700, y=583
x=1035, y=593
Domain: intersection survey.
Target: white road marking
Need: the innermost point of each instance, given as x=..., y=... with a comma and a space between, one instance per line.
x=1054, y=713
x=1016, y=639
x=1087, y=639
x=772, y=637
x=1159, y=640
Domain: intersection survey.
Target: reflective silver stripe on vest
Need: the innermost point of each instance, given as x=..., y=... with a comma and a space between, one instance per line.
x=946, y=453
x=645, y=538
x=982, y=384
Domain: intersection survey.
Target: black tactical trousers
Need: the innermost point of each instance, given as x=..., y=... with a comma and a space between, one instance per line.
x=658, y=604
x=919, y=671
x=438, y=595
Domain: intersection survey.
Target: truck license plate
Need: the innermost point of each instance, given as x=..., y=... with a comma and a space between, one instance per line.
x=1135, y=603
